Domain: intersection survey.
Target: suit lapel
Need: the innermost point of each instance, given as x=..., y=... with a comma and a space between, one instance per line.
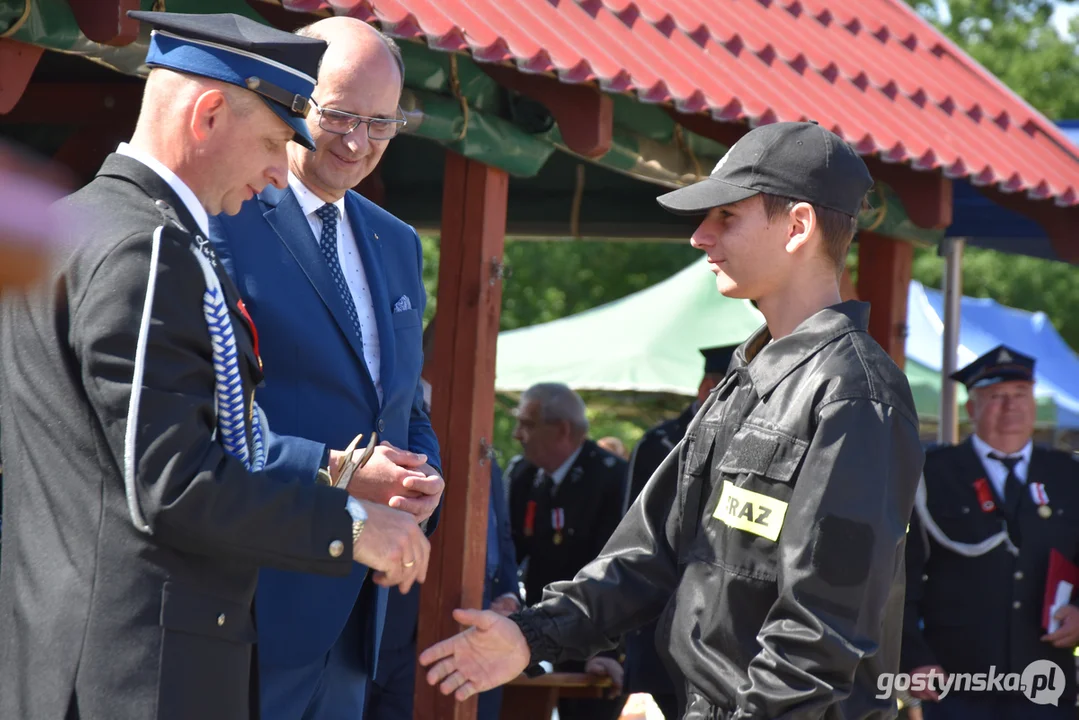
x=287, y=219
x=370, y=249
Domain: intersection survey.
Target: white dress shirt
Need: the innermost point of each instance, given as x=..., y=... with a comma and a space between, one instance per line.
x=995, y=471
x=178, y=186
x=348, y=254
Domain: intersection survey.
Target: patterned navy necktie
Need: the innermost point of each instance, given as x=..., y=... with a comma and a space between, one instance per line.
x=328, y=242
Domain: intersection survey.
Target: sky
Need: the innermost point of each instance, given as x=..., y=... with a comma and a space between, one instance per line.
x=1064, y=12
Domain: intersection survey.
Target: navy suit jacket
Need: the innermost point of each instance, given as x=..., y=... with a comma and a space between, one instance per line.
x=317, y=385
x=501, y=576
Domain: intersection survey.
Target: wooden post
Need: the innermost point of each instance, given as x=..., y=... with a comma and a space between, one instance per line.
x=462, y=406
x=19, y=61
x=884, y=267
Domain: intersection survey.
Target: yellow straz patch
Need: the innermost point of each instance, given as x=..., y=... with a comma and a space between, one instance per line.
x=750, y=511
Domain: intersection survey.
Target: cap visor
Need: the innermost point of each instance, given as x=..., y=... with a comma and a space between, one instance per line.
x=302, y=135
x=700, y=197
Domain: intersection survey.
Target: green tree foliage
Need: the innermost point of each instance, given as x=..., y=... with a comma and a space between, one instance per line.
x=1013, y=280
x=549, y=280
x=1015, y=40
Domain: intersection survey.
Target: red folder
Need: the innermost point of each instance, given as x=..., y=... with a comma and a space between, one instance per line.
x=1060, y=569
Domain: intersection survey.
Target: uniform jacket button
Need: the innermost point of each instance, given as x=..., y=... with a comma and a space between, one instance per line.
x=1017, y=604
x=381, y=425
x=1018, y=574
x=336, y=548
x=221, y=619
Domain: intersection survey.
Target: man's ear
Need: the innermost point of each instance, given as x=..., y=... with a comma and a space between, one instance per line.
x=208, y=113
x=802, y=221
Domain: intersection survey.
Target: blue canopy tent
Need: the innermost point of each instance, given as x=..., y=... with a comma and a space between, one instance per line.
x=986, y=324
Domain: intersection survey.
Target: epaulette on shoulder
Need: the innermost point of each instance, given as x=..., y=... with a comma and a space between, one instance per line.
x=169, y=217
x=513, y=463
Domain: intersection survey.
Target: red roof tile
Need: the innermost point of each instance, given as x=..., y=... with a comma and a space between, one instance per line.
x=870, y=70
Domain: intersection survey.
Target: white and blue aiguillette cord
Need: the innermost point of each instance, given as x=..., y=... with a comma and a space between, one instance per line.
x=228, y=385
x=229, y=391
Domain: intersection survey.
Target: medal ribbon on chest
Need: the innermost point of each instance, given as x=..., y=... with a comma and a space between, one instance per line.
x=985, y=495
x=530, y=518
x=558, y=521
x=254, y=330
x=1037, y=491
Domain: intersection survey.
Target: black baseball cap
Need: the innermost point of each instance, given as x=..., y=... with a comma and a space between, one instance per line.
x=799, y=160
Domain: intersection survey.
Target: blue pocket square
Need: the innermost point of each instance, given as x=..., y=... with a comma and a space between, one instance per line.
x=402, y=304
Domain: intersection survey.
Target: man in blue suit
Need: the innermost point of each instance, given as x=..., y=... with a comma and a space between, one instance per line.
x=334, y=286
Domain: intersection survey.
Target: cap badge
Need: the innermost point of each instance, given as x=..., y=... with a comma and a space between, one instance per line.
x=1004, y=357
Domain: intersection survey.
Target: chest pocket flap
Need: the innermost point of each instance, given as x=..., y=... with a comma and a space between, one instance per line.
x=766, y=453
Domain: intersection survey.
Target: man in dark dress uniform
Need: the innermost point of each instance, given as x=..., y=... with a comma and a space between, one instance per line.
x=644, y=670
x=988, y=514
x=143, y=487
x=566, y=496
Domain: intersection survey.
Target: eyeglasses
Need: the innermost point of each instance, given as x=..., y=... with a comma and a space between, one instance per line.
x=339, y=122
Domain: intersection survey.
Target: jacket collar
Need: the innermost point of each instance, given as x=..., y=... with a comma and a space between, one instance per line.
x=123, y=167
x=774, y=361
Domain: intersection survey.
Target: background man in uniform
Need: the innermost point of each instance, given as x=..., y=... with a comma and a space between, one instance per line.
x=566, y=495
x=334, y=283
x=143, y=488
x=644, y=669
x=772, y=539
x=978, y=554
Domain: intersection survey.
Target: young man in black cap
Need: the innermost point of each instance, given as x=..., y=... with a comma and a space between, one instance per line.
x=143, y=488
x=989, y=512
x=770, y=541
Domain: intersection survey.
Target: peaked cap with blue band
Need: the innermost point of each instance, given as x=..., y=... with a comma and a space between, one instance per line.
x=1000, y=364
x=280, y=67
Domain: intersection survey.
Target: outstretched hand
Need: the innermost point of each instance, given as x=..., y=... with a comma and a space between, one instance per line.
x=491, y=651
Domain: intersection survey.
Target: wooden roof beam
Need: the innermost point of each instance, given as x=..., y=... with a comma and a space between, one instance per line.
x=585, y=115
x=18, y=60
x=106, y=21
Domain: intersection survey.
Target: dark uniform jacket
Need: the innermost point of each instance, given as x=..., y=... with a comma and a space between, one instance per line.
x=590, y=497
x=771, y=542
x=644, y=670
x=983, y=611
x=130, y=562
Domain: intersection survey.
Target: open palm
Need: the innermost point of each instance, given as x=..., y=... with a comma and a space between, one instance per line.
x=488, y=653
